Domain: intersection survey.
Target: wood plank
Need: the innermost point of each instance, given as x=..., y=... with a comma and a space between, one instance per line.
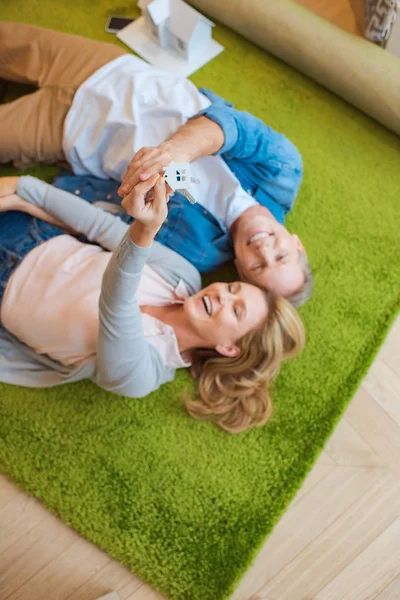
x=348, y=448
x=358, y=9
x=32, y=552
x=325, y=459
x=327, y=555
x=30, y=540
x=383, y=385
x=390, y=352
x=65, y=573
x=375, y=426
x=347, y=19
x=391, y=592
x=343, y=13
x=370, y=572
x=17, y=518
x=317, y=473
x=8, y=491
x=112, y=577
x=145, y=592
x=305, y=521
x=127, y=591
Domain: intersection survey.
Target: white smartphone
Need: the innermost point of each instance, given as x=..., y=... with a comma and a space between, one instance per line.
x=115, y=24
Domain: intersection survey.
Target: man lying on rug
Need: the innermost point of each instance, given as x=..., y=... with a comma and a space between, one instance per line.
x=151, y=317
x=97, y=104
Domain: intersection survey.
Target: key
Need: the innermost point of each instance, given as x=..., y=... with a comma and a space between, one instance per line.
x=187, y=195
x=177, y=175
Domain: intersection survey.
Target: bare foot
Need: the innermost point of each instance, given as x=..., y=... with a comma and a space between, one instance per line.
x=8, y=186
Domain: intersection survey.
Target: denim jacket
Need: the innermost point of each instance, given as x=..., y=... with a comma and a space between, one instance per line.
x=267, y=164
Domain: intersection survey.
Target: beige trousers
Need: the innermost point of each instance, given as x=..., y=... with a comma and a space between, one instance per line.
x=31, y=127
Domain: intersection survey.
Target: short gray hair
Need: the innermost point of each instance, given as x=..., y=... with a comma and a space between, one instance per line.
x=301, y=296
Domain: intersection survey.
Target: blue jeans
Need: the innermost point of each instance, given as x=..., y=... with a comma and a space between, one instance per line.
x=19, y=234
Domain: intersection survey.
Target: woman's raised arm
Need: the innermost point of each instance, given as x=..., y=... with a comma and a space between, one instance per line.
x=126, y=363
x=76, y=214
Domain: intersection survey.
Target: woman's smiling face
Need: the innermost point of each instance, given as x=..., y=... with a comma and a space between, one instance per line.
x=222, y=313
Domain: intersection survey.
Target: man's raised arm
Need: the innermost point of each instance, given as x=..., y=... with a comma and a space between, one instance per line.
x=200, y=136
x=218, y=129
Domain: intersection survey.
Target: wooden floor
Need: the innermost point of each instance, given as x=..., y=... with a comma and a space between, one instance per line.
x=339, y=540
x=347, y=14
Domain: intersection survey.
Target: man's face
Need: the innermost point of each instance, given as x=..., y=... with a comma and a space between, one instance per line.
x=266, y=253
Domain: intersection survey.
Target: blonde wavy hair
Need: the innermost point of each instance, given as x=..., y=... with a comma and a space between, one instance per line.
x=234, y=392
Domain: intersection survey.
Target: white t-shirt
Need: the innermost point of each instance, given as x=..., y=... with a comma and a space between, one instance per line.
x=128, y=104
x=125, y=105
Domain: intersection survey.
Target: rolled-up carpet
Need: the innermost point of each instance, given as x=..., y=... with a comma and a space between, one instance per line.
x=360, y=72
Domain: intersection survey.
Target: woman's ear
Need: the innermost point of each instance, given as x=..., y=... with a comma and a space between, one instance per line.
x=227, y=350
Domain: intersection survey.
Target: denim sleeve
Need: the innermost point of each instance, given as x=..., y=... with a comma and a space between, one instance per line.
x=246, y=137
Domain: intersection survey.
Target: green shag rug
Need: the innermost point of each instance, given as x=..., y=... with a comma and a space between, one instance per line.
x=183, y=504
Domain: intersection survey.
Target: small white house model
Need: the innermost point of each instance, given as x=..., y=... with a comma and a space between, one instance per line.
x=175, y=25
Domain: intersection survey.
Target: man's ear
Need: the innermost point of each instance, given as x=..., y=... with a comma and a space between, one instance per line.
x=299, y=244
x=228, y=350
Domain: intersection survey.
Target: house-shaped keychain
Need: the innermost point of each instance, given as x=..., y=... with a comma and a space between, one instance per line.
x=178, y=177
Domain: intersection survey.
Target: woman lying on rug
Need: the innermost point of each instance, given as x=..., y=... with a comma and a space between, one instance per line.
x=54, y=329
